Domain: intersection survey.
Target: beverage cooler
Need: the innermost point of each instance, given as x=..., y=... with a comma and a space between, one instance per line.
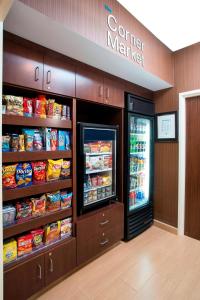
x=96, y=166
x=138, y=177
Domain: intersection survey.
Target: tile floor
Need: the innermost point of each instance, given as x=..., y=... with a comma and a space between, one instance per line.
x=157, y=265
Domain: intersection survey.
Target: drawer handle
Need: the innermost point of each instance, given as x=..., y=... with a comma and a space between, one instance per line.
x=48, y=77
x=104, y=242
x=40, y=271
x=36, y=73
x=104, y=223
x=51, y=265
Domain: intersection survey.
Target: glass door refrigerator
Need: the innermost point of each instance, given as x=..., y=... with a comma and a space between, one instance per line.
x=139, y=128
x=96, y=166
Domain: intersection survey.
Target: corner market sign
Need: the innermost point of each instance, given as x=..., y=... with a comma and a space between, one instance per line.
x=118, y=38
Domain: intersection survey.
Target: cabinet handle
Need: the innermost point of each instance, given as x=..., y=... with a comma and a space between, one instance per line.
x=40, y=271
x=107, y=93
x=51, y=265
x=104, y=223
x=104, y=242
x=36, y=73
x=48, y=77
x=100, y=91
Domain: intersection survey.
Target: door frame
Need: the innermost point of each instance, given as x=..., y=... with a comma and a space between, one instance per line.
x=182, y=157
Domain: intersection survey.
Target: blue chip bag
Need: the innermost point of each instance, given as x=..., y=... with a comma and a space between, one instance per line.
x=53, y=201
x=28, y=173
x=61, y=139
x=67, y=141
x=20, y=175
x=23, y=174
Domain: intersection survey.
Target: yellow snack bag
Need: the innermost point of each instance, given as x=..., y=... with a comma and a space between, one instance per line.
x=9, y=251
x=54, y=169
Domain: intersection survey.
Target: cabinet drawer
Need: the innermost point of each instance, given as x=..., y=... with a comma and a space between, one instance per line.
x=108, y=237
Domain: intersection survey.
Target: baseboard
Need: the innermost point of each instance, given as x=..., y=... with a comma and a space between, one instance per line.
x=165, y=226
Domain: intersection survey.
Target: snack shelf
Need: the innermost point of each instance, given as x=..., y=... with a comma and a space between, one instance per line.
x=97, y=200
x=37, y=251
x=98, y=171
x=35, y=122
x=34, y=155
x=50, y=186
x=32, y=223
x=96, y=188
x=98, y=153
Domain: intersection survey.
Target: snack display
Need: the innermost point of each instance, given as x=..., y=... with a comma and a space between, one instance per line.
x=39, y=171
x=53, y=201
x=52, y=232
x=24, y=244
x=23, y=210
x=66, y=227
x=65, y=169
x=8, y=176
x=54, y=169
x=66, y=199
x=38, y=206
x=9, y=251
x=37, y=237
x=9, y=213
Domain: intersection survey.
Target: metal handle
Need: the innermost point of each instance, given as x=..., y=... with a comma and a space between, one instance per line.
x=100, y=91
x=104, y=223
x=48, y=77
x=51, y=265
x=104, y=242
x=36, y=73
x=107, y=93
x=40, y=271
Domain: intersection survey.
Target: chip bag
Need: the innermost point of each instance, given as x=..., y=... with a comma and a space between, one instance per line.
x=54, y=169
x=53, y=201
x=39, y=171
x=8, y=176
x=28, y=107
x=65, y=170
x=40, y=107
x=39, y=206
x=66, y=199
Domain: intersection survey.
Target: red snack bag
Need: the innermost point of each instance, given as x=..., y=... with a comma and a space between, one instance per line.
x=40, y=107
x=28, y=107
x=24, y=244
x=8, y=176
x=39, y=171
x=54, y=139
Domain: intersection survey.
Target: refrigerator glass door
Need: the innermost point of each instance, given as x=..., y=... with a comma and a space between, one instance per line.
x=139, y=161
x=100, y=164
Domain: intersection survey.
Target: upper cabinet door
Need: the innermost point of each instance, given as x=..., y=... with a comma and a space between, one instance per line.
x=59, y=75
x=113, y=92
x=22, y=66
x=89, y=84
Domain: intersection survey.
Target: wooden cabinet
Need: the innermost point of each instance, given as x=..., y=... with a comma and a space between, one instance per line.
x=59, y=75
x=89, y=85
x=22, y=66
x=113, y=92
x=24, y=280
x=98, y=231
x=60, y=261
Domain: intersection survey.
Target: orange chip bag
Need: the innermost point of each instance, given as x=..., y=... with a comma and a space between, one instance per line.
x=8, y=176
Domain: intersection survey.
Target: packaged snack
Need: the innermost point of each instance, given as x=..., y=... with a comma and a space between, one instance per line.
x=14, y=142
x=65, y=170
x=61, y=140
x=9, y=213
x=107, y=180
x=94, y=147
x=48, y=138
x=21, y=142
x=66, y=227
x=8, y=176
x=24, y=244
x=54, y=169
x=14, y=105
x=53, y=201
x=24, y=174
x=94, y=181
x=37, y=140
x=28, y=107
x=67, y=141
x=9, y=251
x=57, y=108
x=99, y=180
x=39, y=206
x=50, y=104
x=105, y=146
x=66, y=199
x=64, y=112
x=40, y=107
x=68, y=114
x=29, y=136
x=23, y=210
x=5, y=143
x=39, y=171
x=54, y=140
x=107, y=161
x=96, y=162
x=52, y=232
x=37, y=237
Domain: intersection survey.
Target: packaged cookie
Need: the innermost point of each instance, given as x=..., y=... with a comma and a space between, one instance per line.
x=53, y=201
x=66, y=227
x=65, y=169
x=23, y=210
x=9, y=251
x=52, y=232
x=24, y=244
x=54, y=169
x=38, y=206
x=39, y=171
x=8, y=176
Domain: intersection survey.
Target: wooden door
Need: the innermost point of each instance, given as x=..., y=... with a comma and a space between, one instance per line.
x=113, y=92
x=24, y=280
x=22, y=66
x=59, y=75
x=89, y=84
x=60, y=261
x=192, y=183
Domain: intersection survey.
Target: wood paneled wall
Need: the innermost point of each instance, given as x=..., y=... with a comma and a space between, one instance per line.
x=187, y=78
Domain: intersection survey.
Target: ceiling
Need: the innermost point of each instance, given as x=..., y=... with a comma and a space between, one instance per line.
x=176, y=23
